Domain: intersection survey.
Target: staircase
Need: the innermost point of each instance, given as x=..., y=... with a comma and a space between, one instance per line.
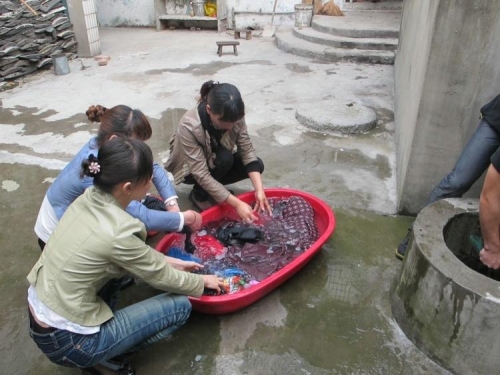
x=368, y=33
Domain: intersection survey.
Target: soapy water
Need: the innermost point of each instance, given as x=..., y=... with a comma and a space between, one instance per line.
x=286, y=234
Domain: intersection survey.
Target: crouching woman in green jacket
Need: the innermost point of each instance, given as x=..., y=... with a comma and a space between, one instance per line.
x=96, y=241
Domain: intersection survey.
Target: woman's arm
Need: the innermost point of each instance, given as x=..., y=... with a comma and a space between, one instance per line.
x=183, y=265
x=489, y=215
x=163, y=184
x=164, y=220
x=156, y=220
x=133, y=255
x=248, y=156
x=243, y=209
x=262, y=203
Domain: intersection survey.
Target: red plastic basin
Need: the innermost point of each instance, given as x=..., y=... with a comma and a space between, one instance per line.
x=227, y=303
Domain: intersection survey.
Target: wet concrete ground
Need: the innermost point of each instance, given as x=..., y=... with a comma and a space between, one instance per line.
x=334, y=316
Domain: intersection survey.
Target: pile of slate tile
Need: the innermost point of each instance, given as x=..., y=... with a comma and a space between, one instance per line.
x=31, y=32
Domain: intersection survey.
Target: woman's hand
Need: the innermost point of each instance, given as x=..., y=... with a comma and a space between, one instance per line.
x=262, y=203
x=183, y=265
x=192, y=220
x=490, y=259
x=245, y=212
x=189, y=266
x=213, y=282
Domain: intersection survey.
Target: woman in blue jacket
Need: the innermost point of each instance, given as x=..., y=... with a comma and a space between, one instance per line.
x=69, y=185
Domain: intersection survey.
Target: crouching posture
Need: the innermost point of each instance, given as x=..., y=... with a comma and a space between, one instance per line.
x=72, y=317
x=212, y=148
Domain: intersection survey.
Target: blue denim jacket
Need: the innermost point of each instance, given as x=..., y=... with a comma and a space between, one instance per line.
x=69, y=185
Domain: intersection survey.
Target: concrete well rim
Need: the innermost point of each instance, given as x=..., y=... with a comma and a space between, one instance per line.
x=437, y=253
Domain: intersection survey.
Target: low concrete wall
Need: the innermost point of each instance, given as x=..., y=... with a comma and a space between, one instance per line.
x=446, y=68
x=445, y=308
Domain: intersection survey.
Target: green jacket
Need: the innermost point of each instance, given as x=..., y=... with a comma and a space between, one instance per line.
x=95, y=241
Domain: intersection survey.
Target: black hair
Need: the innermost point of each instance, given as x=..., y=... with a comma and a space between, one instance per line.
x=120, y=160
x=224, y=100
x=119, y=120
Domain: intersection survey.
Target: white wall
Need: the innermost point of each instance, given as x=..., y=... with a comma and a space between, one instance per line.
x=257, y=13
x=126, y=12
x=142, y=12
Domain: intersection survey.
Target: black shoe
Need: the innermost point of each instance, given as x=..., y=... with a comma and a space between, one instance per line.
x=126, y=281
x=401, y=250
x=200, y=205
x=117, y=368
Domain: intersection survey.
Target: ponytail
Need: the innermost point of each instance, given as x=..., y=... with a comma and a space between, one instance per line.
x=224, y=100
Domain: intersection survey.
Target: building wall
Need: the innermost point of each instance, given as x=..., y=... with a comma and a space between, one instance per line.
x=126, y=13
x=446, y=69
x=142, y=12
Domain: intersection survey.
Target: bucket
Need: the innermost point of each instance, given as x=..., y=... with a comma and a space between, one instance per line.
x=303, y=15
x=61, y=66
x=198, y=8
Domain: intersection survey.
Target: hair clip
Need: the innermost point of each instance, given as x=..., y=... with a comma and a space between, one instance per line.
x=94, y=167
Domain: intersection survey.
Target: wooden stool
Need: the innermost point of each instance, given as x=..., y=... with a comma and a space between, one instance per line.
x=248, y=33
x=227, y=43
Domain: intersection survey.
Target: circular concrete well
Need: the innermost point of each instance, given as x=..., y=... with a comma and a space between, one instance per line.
x=443, y=299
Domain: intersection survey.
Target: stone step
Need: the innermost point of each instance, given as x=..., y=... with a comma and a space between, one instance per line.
x=369, y=6
x=286, y=41
x=379, y=24
x=330, y=40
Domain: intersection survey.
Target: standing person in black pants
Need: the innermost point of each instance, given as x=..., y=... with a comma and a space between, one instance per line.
x=471, y=164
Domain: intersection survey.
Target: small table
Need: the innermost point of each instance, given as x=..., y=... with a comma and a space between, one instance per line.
x=227, y=43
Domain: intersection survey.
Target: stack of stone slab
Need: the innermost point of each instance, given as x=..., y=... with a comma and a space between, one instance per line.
x=31, y=32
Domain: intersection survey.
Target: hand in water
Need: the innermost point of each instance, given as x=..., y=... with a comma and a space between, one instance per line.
x=490, y=258
x=245, y=212
x=262, y=203
x=190, y=266
x=183, y=265
x=213, y=282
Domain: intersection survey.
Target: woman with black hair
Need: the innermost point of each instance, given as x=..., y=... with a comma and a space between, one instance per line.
x=212, y=148
x=122, y=121
x=95, y=241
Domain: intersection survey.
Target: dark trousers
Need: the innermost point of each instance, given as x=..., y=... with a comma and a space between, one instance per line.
x=41, y=244
x=228, y=169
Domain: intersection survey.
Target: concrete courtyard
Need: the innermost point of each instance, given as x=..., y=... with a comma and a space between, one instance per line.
x=334, y=316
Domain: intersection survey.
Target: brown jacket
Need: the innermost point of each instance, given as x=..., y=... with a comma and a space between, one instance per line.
x=191, y=153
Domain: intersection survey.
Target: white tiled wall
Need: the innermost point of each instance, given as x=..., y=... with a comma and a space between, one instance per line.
x=90, y=14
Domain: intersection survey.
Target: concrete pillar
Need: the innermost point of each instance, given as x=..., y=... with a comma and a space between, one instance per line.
x=83, y=15
x=446, y=68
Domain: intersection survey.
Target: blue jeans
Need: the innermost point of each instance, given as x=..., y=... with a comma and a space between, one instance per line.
x=131, y=329
x=471, y=164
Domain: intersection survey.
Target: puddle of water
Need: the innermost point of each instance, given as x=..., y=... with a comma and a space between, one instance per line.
x=297, y=68
x=163, y=129
x=205, y=69
x=35, y=122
